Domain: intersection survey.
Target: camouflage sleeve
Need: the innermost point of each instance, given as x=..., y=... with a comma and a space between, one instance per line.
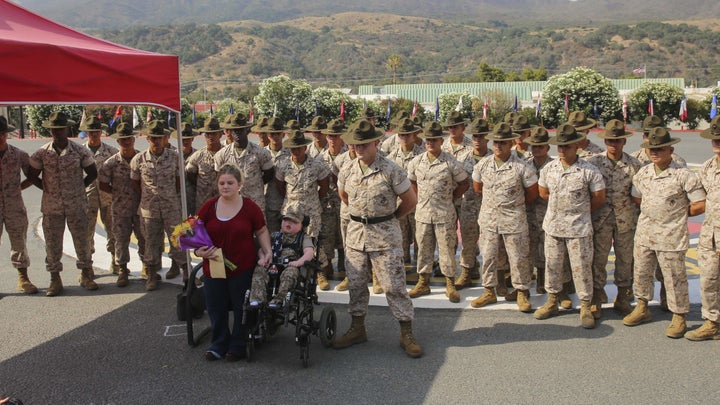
x=542, y=180
x=135, y=167
x=266, y=160
x=412, y=166
x=36, y=160
x=458, y=171
x=400, y=181
x=693, y=187
x=477, y=171
x=280, y=169
x=191, y=165
x=105, y=172
x=596, y=180
x=86, y=157
x=529, y=177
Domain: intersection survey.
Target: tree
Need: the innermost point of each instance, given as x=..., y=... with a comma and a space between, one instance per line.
x=279, y=95
x=450, y=101
x=328, y=105
x=487, y=73
x=393, y=63
x=584, y=88
x=666, y=101
x=36, y=114
x=499, y=104
x=705, y=106
x=533, y=75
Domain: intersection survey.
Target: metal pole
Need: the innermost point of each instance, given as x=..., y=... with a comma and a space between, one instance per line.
x=21, y=127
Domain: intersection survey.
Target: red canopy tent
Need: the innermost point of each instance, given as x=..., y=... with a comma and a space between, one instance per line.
x=43, y=62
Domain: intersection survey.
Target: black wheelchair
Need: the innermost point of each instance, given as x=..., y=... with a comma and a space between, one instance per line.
x=262, y=322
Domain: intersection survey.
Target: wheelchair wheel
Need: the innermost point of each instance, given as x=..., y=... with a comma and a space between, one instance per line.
x=305, y=351
x=250, y=348
x=326, y=326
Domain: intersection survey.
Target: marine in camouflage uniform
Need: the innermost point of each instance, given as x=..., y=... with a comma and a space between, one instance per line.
x=708, y=252
x=114, y=178
x=67, y=168
x=520, y=126
x=573, y=188
x=13, y=215
x=402, y=154
x=667, y=195
x=539, y=147
x=99, y=200
x=506, y=183
x=440, y=180
x=254, y=162
x=155, y=177
x=273, y=199
x=200, y=166
x=319, y=142
x=370, y=186
x=470, y=206
x=615, y=221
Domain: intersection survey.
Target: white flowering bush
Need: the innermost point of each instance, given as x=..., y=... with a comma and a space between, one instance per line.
x=666, y=101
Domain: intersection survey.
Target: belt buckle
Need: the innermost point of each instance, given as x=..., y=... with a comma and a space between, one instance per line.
x=364, y=220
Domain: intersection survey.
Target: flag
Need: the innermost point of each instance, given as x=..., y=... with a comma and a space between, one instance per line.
x=683, y=109
x=566, y=107
x=437, y=109
x=297, y=112
x=387, y=115
x=342, y=109
x=486, y=107
x=231, y=110
x=117, y=117
x=515, y=105
x=170, y=120
x=595, y=111
x=639, y=71
x=537, y=109
x=624, y=108
x=251, y=117
x=194, y=119
x=713, y=107
x=136, y=118
x=148, y=116
x=651, y=106
x=415, y=109
x=211, y=111
x=459, y=106
x=99, y=114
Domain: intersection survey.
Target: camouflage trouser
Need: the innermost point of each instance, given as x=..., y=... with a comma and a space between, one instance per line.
x=330, y=231
x=261, y=278
x=153, y=229
x=123, y=228
x=604, y=236
x=388, y=267
x=407, y=229
x=343, y=228
x=518, y=255
x=94, y=206
x=580, y=254
x=272, y=221
x=190, y=200
x=54, y=229
x=672, y=265
x=445, y=237
x=709, y=261
x=16, y=224
x=469, y=232
x=537, y=244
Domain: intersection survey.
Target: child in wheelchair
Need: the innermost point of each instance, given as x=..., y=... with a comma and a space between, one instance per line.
x=291, y=250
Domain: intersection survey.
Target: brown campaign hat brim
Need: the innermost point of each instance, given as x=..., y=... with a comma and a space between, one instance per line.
x=494, y=137
x=48, y=124
x=349, y=139
x=709, y=134
x=554, y=141
x=672, y=141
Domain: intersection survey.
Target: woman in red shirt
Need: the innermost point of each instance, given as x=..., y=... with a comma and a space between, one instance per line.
x=231, y=221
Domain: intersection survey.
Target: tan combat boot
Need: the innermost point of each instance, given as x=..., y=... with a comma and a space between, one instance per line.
x=407, y=340
x=603, y=296
x=677, y=327
x=114, y=268
x=540, y=287
x=322, y=281
x=549, y=309
x=343, y=286
x=512, y=295
x=24, y=283
x=564, y=299
x=86, y=280
x=152, y=282
x=622, y=301
x=56, y=285
x=123, y=279
x=354, y=335
x=488, y=297
x=523, y=301
x=144, y=273
x=377, y=288
x=173, y=272
x=587, y=318
x=640, y=314
x=450, y=291
x=708, y=331
x=464, y=279
x=422, y=287
x=596, y=304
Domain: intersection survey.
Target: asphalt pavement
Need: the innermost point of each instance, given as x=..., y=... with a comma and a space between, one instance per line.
x=126, y=346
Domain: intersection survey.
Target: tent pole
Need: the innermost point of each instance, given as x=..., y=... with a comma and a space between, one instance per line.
x=181, y=167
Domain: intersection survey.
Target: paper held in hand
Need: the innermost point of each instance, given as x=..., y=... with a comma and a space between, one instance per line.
x=217, y=265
